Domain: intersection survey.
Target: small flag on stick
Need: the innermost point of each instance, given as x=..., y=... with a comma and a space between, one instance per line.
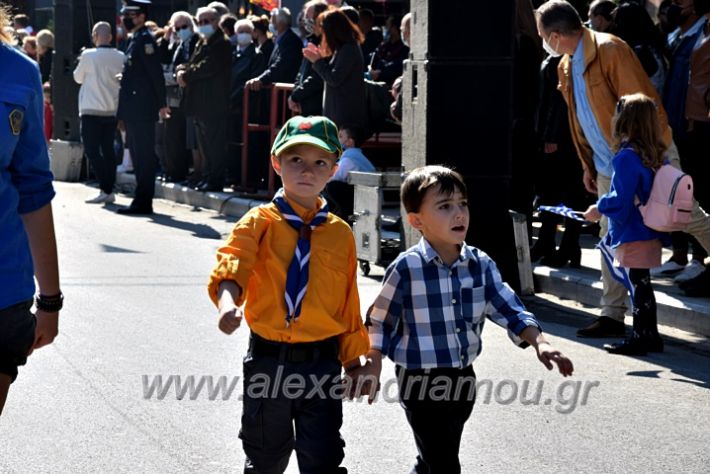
x=563, y=210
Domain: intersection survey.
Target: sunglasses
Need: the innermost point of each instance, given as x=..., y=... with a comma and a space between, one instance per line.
x=204, y=22
x=183, y=27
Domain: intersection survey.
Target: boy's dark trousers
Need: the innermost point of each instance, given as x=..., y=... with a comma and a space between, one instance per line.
x=287, y=385
x=437, y=416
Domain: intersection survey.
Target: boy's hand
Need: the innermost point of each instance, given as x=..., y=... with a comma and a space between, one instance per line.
x=229, y=319
x=548, y=354
x=366, y=378
x=46, y=329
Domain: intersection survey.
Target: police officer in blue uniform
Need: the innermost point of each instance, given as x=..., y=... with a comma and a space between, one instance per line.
x=28, y=248
x=141, y=101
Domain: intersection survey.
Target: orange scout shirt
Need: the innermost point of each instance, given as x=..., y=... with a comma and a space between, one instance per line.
x=257, y=255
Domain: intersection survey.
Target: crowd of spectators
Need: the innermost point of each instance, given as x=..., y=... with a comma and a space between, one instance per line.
x=675, y=55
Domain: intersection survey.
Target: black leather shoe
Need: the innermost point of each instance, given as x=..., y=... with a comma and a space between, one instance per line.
x=135, y=211
x=636, y=345
x=603, y=327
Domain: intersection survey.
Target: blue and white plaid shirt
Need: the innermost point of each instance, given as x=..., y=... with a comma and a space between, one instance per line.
x=428, y=315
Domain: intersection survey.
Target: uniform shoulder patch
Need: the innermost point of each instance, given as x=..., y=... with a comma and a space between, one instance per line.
x=149, y=48
x=15, y=118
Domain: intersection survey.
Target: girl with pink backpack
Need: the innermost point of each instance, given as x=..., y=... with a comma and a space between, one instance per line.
x=640, y=153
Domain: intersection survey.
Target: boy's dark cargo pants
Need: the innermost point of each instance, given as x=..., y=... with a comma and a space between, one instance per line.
x=437, y=423
x=287, y=386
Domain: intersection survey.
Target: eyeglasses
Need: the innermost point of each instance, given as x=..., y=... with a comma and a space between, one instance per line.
x=204, y=22
x=183, y=27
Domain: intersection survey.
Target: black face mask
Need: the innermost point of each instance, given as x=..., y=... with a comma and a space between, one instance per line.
x=675, y=16
x=128, y=23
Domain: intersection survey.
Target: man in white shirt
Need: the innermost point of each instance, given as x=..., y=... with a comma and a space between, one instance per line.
x=98, y=72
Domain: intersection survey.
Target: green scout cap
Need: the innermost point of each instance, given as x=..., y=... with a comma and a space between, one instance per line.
x=315, y=130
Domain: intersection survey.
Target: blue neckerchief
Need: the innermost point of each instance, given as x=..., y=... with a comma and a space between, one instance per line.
x=297, y=276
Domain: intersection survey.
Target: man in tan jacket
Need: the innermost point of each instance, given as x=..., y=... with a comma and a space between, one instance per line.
x=596, y=71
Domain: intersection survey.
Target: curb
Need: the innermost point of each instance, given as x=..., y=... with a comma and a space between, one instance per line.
x=227, y=204
x=585, y=286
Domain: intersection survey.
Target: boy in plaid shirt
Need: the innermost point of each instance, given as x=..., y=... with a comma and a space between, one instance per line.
x=429, y=315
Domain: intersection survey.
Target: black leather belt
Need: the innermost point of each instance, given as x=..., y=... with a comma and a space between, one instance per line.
x=296, y=352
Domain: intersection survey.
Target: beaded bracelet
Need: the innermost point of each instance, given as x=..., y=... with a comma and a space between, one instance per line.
x=50, y=304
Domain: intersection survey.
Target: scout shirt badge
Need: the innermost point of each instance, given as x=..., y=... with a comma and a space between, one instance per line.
x=149, y=49
x=16, y=117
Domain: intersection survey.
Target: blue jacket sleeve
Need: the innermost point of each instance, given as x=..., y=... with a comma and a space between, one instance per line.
x=618, y=203
x=30, y=160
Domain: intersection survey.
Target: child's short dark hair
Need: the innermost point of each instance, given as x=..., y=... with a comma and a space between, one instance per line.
x=417, y=182
x=356, y=133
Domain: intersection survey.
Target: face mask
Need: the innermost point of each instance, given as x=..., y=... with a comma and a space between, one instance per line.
x=272, y=29
x=550, y=50
x=206, y=30
x=184, y=34
x=386, y=35
x=128, y=23
x=675, y=16
x=243, y=39
x=309, y=25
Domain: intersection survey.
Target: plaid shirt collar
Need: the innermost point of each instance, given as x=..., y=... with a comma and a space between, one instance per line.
x=429, y=254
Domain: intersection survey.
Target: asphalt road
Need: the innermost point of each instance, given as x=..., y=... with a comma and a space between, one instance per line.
x=136, y=308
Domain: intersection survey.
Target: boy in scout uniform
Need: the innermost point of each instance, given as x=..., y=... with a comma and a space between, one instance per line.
x=292, y=265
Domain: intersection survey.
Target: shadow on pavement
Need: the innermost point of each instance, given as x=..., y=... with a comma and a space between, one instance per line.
x=681, y=357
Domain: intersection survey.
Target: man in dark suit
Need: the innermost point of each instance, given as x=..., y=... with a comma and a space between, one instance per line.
x=176, y=48
x=307, y=97
x=286, y=56
x=244, y=66
x=206, y=81
x=141, y=101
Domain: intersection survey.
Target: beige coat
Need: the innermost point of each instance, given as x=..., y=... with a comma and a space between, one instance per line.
x=611, y=71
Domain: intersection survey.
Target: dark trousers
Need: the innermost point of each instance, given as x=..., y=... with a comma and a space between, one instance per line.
x=212, y=141
x=97, y=137
x=270, y=414
x=437, y=419
x=644, y=312
x=695, y=164
x=141, y=143
x=176, y=162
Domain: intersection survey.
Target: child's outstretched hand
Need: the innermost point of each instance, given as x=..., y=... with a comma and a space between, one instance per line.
x=592, y=214
x=229, y=319
x=549, y=355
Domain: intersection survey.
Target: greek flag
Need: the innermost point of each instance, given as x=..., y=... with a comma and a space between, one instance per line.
x=563, y=211
x=620, y=274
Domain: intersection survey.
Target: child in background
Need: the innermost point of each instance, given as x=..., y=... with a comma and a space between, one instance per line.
x=640, y=151
x=351, y=139
x=339, y=193
x=292, y=266
x=48, y=111
x=430, y=312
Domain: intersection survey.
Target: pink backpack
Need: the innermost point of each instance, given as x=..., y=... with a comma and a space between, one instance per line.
x=671, y=201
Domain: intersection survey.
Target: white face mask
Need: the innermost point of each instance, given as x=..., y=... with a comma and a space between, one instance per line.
x=206, y=30
x=184, y=34
x=243, y=39
x=550, y=50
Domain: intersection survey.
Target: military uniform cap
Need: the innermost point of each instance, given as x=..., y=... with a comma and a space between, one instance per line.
x=137, y=6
